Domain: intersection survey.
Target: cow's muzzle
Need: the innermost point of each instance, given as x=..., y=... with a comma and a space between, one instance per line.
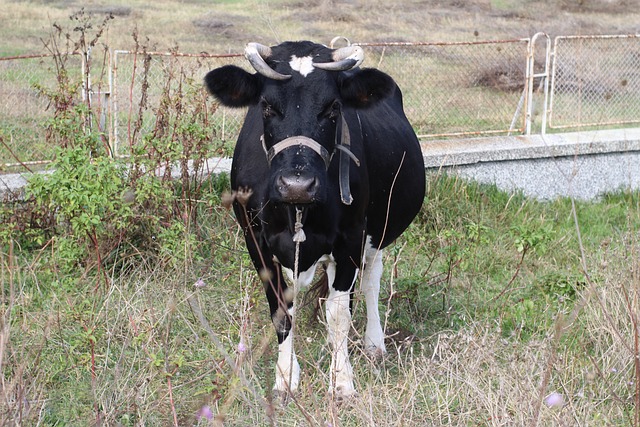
x=297, y=186
x=297, y=189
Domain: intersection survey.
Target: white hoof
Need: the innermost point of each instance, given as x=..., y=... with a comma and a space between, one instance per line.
x=343, y=393
x=374, y=342
x=375, y=351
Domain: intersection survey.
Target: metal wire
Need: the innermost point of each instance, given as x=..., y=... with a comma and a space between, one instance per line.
x=449, y=89
x=595, y=81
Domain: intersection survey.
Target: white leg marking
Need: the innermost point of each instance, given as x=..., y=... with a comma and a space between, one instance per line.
x=374, y=335
x=305, y=278
x=339, y=323
x=287, y=367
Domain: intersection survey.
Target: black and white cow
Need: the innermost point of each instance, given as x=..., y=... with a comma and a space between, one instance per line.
x=328, y=141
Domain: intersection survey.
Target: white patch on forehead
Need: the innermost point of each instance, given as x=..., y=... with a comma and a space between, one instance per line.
x=302, y=65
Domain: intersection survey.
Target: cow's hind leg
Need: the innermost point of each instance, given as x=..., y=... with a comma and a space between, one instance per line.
x=374, y=335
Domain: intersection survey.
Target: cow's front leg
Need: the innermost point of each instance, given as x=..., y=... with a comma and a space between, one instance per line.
x=287, y=366
x=374, y=335
x=281, y=307
x=338, y=313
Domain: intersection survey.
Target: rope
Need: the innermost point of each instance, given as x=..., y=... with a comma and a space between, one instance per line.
x=298, y=237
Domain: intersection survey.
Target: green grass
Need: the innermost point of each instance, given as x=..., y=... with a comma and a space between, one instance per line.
x=490, y=300
x=470, y=322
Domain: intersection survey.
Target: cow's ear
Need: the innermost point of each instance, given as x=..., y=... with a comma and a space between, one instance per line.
x=233, y=86
x=366, y=87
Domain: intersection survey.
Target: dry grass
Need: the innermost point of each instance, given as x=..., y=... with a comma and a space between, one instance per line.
x=474, y=376
x=192, y=25
x=165, y=349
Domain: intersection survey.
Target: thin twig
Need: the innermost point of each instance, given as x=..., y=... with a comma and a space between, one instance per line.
x=13, y=154
x=562, y=322
x=197, y=311
x=513, y=278
x=173, y=406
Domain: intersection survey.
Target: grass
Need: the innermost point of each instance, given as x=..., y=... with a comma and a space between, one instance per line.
x=479, y=333
x=491, y=301
x=181, y=23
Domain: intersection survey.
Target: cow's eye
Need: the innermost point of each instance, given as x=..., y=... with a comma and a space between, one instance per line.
x=332, y=110
x=268, y=110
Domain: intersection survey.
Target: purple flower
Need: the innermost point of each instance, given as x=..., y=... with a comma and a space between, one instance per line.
x=554, y=399
x=200, y=283
x=242, y=347
x=204, y=412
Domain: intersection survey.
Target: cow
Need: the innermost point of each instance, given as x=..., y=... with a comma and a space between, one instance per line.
x=327, y=171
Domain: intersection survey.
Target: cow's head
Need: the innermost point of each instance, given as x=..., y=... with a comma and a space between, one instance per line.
x=302, y=89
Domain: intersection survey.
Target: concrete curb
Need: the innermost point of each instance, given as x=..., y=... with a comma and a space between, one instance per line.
x=457, y=152
x=583, y=165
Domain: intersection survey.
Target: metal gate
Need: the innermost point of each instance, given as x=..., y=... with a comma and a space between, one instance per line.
x=595, y=81
x=502, y=87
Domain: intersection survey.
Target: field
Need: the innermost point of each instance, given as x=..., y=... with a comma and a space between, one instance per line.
x=225, y=26
x=491, y=303
x=128, y=297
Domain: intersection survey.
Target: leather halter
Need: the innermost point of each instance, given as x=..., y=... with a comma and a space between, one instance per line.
x=297, y=141
x=343, y=144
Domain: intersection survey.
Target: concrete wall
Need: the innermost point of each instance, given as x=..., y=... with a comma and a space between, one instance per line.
x=583, y=165
x=579, y=164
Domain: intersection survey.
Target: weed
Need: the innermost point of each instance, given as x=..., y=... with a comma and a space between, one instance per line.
x=96, y=220
x=527, y=237
x=494, y=301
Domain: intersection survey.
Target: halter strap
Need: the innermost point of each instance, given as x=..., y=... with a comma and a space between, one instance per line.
x=300, y=141
x=343, y=145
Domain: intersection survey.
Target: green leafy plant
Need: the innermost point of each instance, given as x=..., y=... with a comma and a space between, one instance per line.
x=527, y=236
x=563, y=286
x=85, y=195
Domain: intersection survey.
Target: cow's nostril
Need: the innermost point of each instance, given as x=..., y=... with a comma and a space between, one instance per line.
x=297, y=188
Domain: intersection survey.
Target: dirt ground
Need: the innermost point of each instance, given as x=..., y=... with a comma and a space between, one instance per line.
x=425, y=20
x=227, y=25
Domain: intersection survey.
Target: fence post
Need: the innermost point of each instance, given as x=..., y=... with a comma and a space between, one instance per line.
x=544, y=83
x=114, y=103
x=108, y=107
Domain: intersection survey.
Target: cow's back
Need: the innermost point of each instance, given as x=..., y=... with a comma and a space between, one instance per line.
x=396, y=170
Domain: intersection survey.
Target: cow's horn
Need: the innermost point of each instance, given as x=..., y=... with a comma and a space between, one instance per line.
x=256, y=53
x=344, y=58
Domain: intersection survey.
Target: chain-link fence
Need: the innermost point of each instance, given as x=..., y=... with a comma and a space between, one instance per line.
x=595, y=81
x=453, y=89
x=140, y=84
x=25, y=106
x=450, y=89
